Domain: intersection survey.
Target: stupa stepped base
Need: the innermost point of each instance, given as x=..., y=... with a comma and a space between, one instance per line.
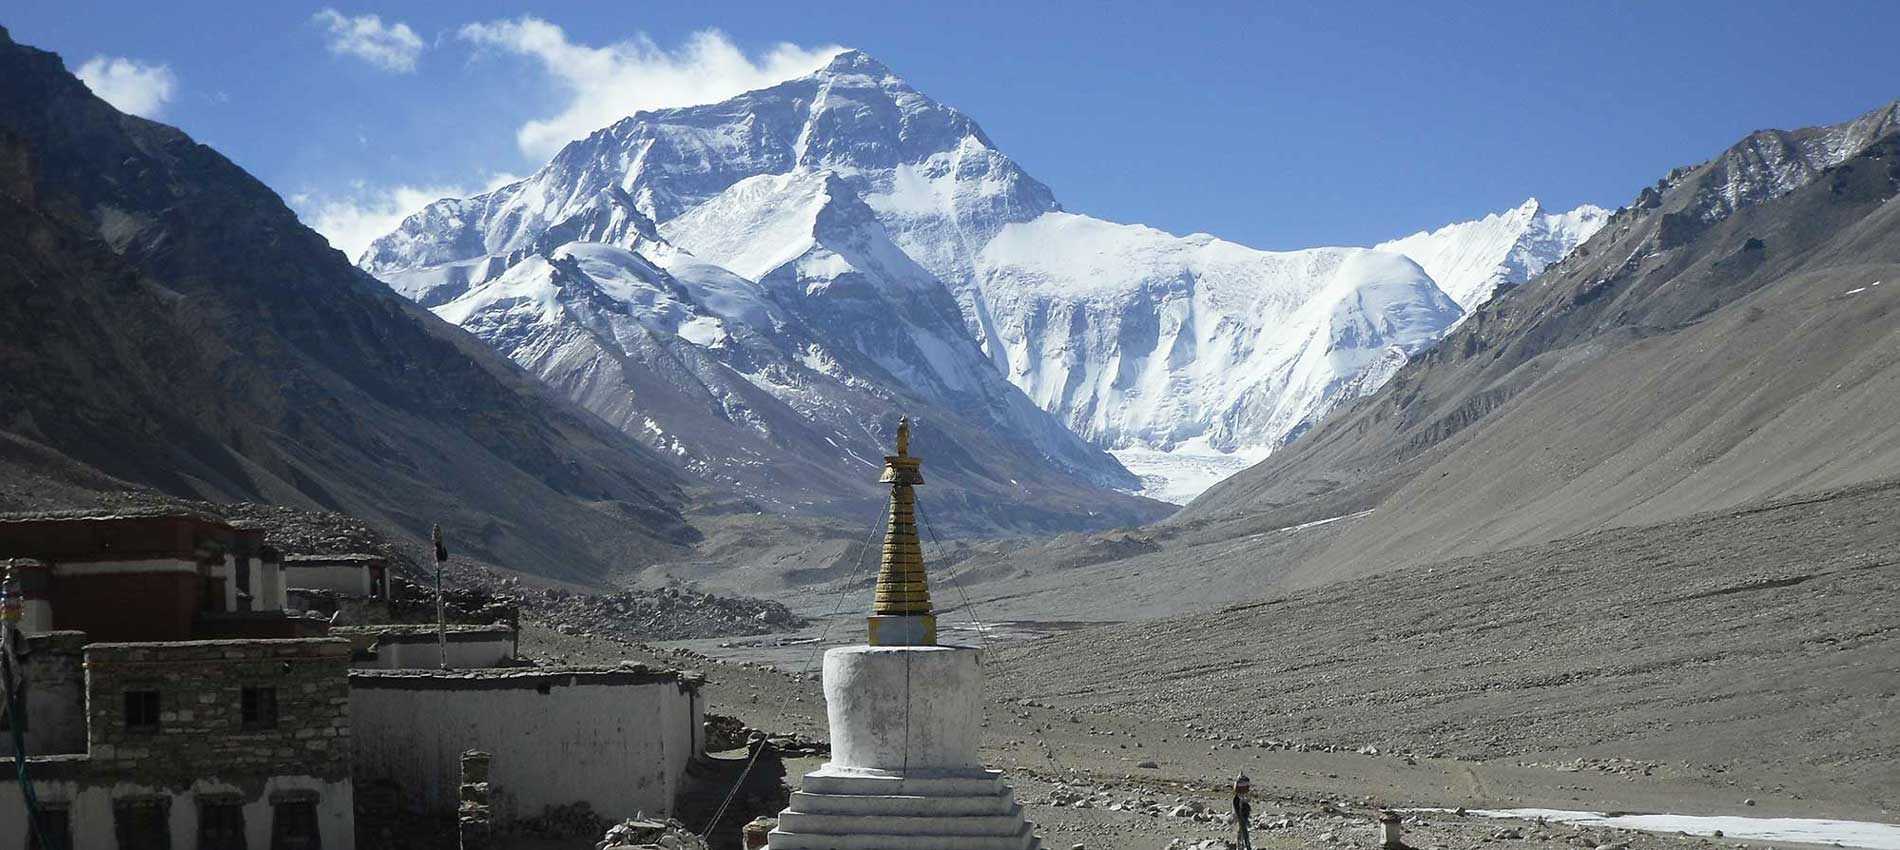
x=875, y=810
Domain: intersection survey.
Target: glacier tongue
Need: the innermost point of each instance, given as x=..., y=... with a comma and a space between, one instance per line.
x=1179, y=474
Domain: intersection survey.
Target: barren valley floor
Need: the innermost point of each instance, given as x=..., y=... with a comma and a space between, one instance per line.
x=1736, y=663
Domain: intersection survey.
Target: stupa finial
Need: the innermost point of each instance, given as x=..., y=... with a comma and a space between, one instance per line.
x=901, y=614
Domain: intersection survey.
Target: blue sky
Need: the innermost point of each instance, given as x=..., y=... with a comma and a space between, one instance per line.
x=1280, y=126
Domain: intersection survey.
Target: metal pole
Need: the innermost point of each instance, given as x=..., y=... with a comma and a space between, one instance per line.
x=441, y=611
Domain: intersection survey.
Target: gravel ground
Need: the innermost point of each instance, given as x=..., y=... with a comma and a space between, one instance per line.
x=1752, y=650
x=1136, y=767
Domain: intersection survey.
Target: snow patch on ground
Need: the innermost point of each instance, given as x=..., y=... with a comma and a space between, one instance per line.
x=1877, y=836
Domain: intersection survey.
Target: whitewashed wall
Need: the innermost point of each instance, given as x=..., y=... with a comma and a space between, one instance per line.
x=90, y=810
x=465, y=651
x=618, y=740
x=353, y=579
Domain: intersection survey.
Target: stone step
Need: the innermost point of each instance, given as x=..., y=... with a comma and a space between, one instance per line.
x=920, y=821
x=1022, y=839
x=857, y=804
x=972, y=784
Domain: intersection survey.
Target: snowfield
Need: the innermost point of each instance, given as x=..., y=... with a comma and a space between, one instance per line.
x=1846, y=833
x=1471, y=259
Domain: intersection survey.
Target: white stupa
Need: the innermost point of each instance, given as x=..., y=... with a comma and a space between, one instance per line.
x=905, y=715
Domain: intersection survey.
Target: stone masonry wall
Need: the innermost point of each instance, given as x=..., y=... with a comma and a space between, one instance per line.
x=55, y=695
x=201, y=733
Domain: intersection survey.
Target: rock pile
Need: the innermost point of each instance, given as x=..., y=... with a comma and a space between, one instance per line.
x=725, y=733
x=729, y=733
x=798, y=746
x=572, y=820
x=666, y=614
x=1203, y=844
x=298, y=531
x=642, y=832
x=1619, y=766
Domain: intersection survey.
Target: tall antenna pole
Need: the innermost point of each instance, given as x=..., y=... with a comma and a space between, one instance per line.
x=441, y=611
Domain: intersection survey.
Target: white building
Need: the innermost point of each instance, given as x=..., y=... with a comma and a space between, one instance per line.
x=360, y=575
x=399, y=646
x=617, y=739
x=905, y=716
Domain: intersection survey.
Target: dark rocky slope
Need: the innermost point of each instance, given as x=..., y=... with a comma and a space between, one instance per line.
x=168, y=323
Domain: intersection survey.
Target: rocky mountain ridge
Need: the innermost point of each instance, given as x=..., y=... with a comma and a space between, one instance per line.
x=1724, y=332
x=173, y=326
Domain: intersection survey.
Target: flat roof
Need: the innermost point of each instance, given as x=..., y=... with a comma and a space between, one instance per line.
x=219, y=642
x=112, y=514
x=419, y=629
x=512, y=678
x=345, y=558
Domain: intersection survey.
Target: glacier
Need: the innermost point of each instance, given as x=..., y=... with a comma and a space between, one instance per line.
x=1470, y=260
x=894, y=254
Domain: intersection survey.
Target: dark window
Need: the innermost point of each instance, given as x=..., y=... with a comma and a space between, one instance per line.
x=221, y=825
x=260, y=708
x=141, y=711
x=294, y=826
x=214, y=595
x=58, y=826
x=143, y=824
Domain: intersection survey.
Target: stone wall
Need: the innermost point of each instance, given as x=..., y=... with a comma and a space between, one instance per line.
x=342, y=609
x=55, y=695
x=201, y=751
x=619, y=740
x=351, y=578
x=201, y=730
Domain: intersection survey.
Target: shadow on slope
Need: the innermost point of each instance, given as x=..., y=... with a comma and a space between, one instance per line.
x=171, y=324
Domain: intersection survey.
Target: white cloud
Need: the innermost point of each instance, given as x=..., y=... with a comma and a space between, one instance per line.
x=130, y=85
x=608, y=83
x=354, y=220
x=391, y=48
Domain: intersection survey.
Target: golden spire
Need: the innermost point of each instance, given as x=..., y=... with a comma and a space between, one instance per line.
x=900, y=612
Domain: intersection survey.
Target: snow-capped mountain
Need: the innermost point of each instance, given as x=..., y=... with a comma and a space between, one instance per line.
x=936, y=181
x=852, y=200
x=1176, y=351
x=784, y=385
x=1471, y=259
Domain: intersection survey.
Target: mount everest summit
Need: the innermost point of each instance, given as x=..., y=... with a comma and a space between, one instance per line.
x=758, y=287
